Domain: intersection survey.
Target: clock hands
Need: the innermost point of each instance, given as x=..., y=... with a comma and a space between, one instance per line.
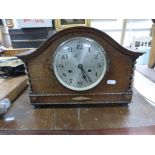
x=83, y=71
x=80, y=66
x=84, y=75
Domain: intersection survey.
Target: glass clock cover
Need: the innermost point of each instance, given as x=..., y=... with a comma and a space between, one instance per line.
x=79, y=63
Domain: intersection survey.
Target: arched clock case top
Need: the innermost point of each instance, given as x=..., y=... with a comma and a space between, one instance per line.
x=80, y=65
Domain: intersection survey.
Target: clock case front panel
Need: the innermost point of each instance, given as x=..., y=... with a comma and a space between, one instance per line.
x=46, y=89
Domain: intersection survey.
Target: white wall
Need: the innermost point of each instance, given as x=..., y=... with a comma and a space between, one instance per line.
x=113, y=27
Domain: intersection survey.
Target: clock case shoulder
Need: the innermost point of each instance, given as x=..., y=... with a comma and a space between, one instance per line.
x=30, y=54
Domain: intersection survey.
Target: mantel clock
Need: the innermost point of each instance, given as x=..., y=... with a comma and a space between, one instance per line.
x=80, y=65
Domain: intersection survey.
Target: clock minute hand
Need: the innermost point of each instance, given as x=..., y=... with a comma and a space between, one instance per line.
x=80, y=66
x=84, y=76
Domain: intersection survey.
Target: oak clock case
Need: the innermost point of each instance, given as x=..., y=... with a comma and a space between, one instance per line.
x=80, y=65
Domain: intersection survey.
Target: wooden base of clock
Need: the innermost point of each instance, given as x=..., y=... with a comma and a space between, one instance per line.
x=101, y=98
x=114, y=88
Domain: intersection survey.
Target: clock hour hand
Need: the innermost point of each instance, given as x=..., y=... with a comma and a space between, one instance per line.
x=80, y=66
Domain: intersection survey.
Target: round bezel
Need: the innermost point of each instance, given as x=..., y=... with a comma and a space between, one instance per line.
x=103, y=71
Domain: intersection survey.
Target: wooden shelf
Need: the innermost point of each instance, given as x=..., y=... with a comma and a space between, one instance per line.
x=14, y=52
x=11, y=88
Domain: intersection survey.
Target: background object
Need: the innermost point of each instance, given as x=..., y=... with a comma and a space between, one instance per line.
x=153, y=20
x=4, y=105
x=123, y=31
x=34, y=23
x=29, y=37
x=152, y=52
x=14, y=51
x=9, y=23
x=11, y=66
x=66, y=23
x=144, y=59
x=11, y=88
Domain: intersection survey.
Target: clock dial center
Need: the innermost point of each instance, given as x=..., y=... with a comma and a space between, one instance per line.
x=80, y=66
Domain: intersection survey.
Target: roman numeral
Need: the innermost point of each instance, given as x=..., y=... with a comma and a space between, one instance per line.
x=96, y=74
x=98, y=65
x=79, y=46
x=80, y=83
x=96, y=56
x=60, y=66
x=69, y=49
x=64, y=57
x=89, y=49
x=64, y=74
x=70, y=81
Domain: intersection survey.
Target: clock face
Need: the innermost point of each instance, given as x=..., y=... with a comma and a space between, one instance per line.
x=80, y=63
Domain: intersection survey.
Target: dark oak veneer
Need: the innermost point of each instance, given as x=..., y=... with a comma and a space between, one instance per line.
x=45, y=88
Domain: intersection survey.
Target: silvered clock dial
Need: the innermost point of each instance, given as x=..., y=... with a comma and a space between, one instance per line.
x=80, y=63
